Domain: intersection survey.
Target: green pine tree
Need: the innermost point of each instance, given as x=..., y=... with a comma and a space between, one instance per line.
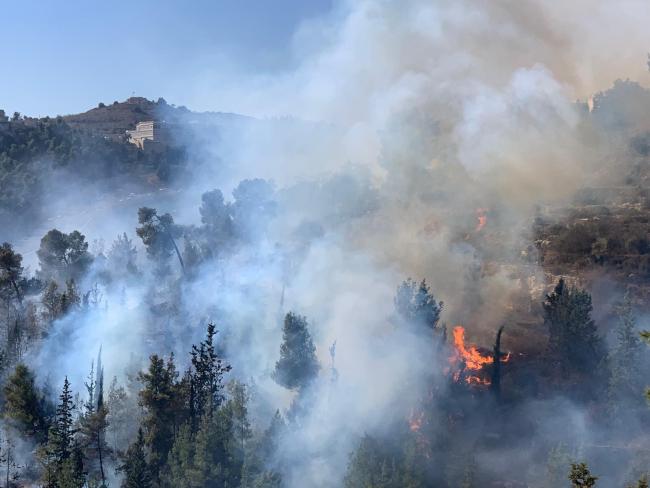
x=573, y=337
x=93, y=426
x=257, y=470
x=64, y=458
x=298, y=365
x=581, y=477
x=416, y=305
x=159, y=399
x=180, y=460
x=626, y=380
x=24, y=403
x=135, y=468
x=371, y=466
x=206, y=378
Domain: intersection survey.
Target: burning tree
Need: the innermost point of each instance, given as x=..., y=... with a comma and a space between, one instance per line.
x=468, y=362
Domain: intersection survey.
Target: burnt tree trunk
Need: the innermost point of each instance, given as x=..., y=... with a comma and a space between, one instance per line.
x=496, y=366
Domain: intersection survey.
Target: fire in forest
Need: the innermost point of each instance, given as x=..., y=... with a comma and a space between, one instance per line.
x=468, y=361
x=481, y=218
x=415, y=420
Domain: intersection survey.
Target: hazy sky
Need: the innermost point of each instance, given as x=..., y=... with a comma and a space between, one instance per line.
x=59, y=57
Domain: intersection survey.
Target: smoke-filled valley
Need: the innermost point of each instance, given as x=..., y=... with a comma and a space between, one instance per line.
x=422, y=259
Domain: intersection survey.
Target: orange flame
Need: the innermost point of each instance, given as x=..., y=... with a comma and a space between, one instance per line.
x=415, y=420
x=467, y=360
x=481, y=217
x=472, y=358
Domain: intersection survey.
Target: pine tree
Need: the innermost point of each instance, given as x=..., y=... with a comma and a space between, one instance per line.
x=256, y=471
x=180, y=460
x=10, y=270
x=626, y=381
x=136, y=471
x=206, y=377
x=157, y=233
x=65, y=460
x=416, y=305
x=298, y=365
x=62, y=432
x=580, y=476
x=158, y=398
x=238, y=406
x=121, y=419
x=213, y=455
x=370, y=466
x=71, y=474
x=24, y=404
x=573, y=337
x=93, y=425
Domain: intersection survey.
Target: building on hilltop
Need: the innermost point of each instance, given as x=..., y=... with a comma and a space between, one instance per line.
x=150, y=131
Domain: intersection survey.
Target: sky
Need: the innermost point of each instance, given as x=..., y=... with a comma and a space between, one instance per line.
x=66, y=57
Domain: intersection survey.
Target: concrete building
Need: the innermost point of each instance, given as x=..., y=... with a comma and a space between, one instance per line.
x=151, y=131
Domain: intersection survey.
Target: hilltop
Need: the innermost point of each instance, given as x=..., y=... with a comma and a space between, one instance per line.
x=114, y=119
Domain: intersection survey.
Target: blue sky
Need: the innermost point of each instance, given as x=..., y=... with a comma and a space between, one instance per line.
x=65, y=56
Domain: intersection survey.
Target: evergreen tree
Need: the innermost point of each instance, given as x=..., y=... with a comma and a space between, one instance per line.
x=93, y=426
x=65, y=461
x=207, y=458
x=122, y=256
x=238, y=406
x=298, y=365
x=51, y=300
x=158, y=398
x=416, y=306
x=573, y=338
x=24, y=403
x=626, y=380
x=252, y=209
x=71, y=474
x=257, y=471
x=206, y=377
x=217, y=221
x=180, y=461
x=371, y=466
x=581, y=477
x=122, y=418
x=63, y=256
x=10, y=271
x=157, y=233
x=137, y=473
